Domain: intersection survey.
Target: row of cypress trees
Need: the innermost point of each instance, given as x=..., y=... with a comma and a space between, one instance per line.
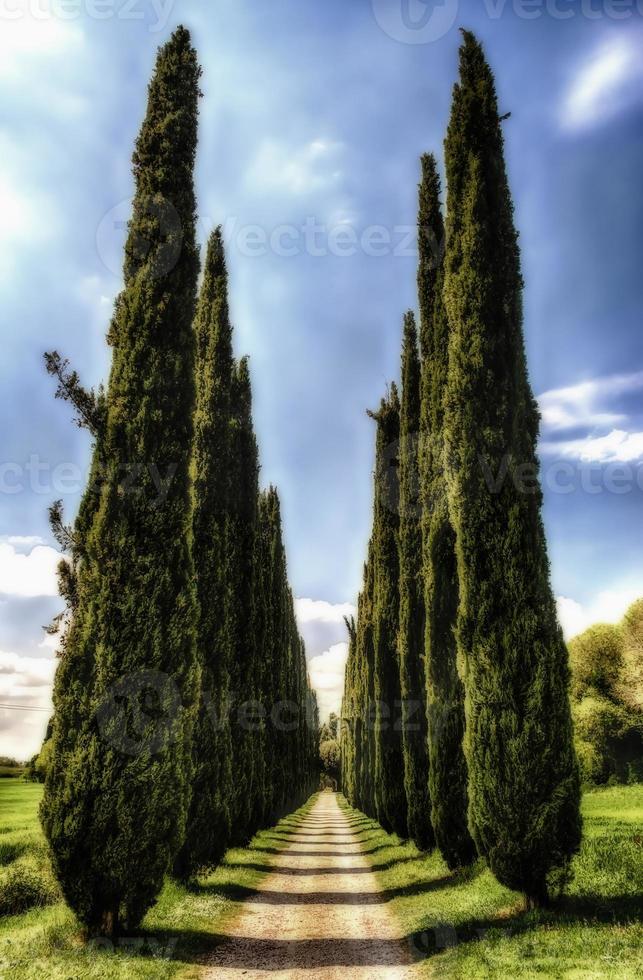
x=184, y=718
x=456, y=725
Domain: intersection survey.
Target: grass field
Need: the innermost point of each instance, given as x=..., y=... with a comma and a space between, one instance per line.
x=463, y=925
x=467, y=925
x=43, y=941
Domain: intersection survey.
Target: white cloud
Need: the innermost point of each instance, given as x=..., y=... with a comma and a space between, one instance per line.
x=617, y=446
x=28, y=575
x=606, y=83
x=607, y=606
x=327, y=677
x=308, y=610
x=26, y=38
x=25, y=683
x=589, y=405
x=23, y=540
x=576, y=405
x=298, y=170
x=322, y=623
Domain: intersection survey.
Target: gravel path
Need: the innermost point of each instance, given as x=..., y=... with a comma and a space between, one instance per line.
x=318, y=914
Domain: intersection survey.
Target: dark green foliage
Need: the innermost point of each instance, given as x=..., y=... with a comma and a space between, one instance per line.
x=118, y=785
x=209, y=824
x=411, y=627
x=445, y=692
x=366, y=717
x=523, y=774
x=348, y=722
x=246, y=770
x=388, y=763
x=291, y=749
x=247, y=733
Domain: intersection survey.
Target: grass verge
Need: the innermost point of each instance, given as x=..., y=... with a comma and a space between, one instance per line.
x=177, y=934
x=467, y=925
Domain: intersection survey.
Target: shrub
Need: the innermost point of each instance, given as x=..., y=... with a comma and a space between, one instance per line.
x=608, y=723
x=596, y=659
x=26, y=883
x=631, y=680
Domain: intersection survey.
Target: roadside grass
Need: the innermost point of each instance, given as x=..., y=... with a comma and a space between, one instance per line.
x=467, y=925
x=176, y=935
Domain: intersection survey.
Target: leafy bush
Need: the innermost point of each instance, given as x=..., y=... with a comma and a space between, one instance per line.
x=631, y=680
x=329, y=755
x=596, y=658
x=607, y=691
x=25, y=884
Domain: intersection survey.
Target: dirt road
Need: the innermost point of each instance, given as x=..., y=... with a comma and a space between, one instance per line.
x=318, y=914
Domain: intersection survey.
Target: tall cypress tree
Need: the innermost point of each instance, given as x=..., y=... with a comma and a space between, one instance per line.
x=368, y=713
x=348, y=726
x=523, y=776
x=275, y=650
x=289, y=701
x=118, y=788
x=240, y=584
x=445, y=691
x=411, y=629
x=390, y=797
x=209, y=824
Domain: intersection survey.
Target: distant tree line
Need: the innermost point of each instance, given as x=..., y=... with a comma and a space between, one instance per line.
x=183, y=714
x=456, y=722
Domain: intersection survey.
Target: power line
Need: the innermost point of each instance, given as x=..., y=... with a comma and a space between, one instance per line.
x=23, y=707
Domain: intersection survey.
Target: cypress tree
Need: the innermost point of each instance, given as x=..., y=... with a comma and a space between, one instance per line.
x=390, y=797
x=263, y=642
x=275, y=651
x=349, y=732
x=411, y=629
x=118, y=787
x=368, y=712
x=241, y=533
x=445, y=691
x=523, y=776
x=209, y=824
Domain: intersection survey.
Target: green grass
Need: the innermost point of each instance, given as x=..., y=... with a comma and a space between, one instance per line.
x=467, y=925
x=45, y=941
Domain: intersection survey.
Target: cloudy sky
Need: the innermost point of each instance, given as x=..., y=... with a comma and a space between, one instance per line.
x=313, y=119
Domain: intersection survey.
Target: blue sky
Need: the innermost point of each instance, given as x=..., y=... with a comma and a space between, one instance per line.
x=313, y=119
